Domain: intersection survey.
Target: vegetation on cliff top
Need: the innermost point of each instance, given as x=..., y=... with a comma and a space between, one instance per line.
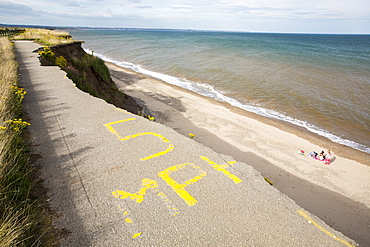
x=45, y=36
x=11, y=32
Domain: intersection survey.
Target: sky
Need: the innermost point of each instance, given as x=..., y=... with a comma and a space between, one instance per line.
x=278, y=16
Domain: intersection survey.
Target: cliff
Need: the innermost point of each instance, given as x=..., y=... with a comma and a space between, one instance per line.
x=89, y=73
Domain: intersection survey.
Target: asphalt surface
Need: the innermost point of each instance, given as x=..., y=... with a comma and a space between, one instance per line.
x=118, y=179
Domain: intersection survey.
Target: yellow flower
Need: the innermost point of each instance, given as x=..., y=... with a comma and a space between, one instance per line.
x=2, y=127
x=151, y=118
x=191, y=135
x=17, y=124
x=268, y=181
x=19, y=91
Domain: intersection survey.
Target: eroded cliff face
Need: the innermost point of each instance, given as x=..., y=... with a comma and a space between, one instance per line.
x=90, y=74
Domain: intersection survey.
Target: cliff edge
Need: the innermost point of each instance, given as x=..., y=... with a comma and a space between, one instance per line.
x=89, y=73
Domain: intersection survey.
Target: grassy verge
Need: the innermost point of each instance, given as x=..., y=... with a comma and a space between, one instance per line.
x=22, y=215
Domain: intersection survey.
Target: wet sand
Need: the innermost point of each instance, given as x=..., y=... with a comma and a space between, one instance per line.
x=337, y=193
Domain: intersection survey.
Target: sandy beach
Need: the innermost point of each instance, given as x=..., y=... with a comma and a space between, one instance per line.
x=338, y=193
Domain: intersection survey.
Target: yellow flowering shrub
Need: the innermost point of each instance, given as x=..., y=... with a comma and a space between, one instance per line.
x=19, y=92
x=48, y=54
x=61, y=62
x=15, y=124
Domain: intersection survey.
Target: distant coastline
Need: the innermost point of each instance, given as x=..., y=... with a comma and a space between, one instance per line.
x=158, y=29
x=108, y=28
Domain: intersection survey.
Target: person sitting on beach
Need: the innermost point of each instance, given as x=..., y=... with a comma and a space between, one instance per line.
x=321, y=156
x=313, y=154
x=328, y=157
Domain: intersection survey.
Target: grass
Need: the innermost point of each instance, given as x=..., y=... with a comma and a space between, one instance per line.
x=45, y=36
x=20, y=221
x=83, y=63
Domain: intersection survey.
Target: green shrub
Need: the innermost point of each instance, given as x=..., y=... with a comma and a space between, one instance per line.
x=77, y=77
x=61, y=62
x=101, y=68
x=96, y=63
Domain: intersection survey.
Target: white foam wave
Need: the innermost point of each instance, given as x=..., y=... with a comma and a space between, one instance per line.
x=209, y=91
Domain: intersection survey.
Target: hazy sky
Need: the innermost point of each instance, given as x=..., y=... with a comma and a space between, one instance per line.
x=308, y=16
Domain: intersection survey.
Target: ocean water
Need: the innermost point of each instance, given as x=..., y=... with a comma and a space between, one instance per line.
x=319, y=82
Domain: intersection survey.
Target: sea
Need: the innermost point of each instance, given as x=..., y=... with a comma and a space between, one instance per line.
x=320, y=82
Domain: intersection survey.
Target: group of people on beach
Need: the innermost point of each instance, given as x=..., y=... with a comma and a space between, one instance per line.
x=327, y=157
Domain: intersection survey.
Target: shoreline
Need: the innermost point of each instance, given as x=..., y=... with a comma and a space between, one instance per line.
x=312, y=127
x=225, y=129
x=345, y=151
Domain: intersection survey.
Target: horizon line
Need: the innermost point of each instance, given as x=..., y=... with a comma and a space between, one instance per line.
x=166, y=29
